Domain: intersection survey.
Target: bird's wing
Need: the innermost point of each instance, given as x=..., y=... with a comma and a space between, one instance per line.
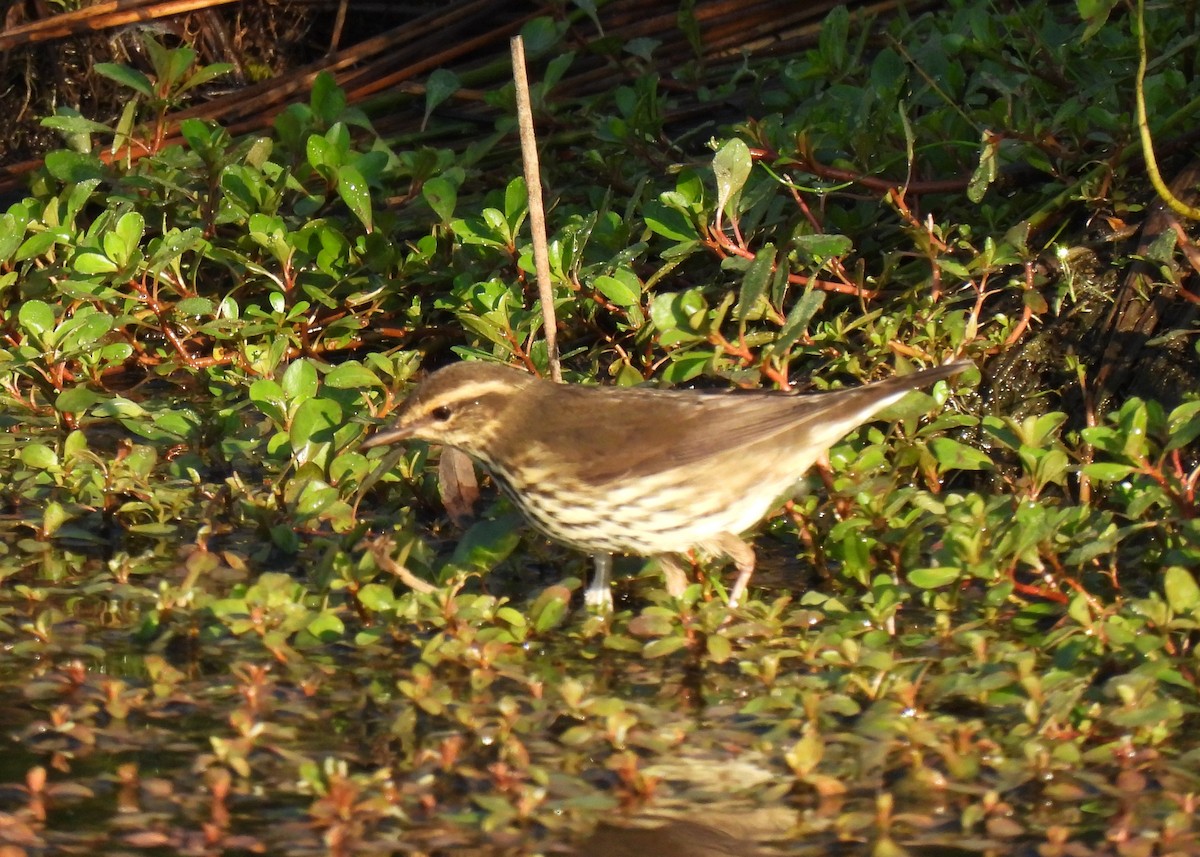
x=614, y=433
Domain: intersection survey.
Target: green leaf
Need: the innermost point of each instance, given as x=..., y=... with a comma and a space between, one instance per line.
x=516, y=205
x=1134, y=420
x=300, y=380
x=556, y=68
x=321, y=156
x=315, y=421
x=75, y=445
x=550, y=609
x=182, y=425
x=805, y=755
x=173, y=245
x=40, y=243
x=933, y=578
x=1183, y=424
x=83, y=329
x=73, y=167
x=1105, y=471
x=126, y=76
x=953, y=268
x=194, y=308
x=12, y=232
x=76, y=400
x=797, y=321
x=204, y=75
x=38, y=456
x=619, y=291
x=988, y=168
x=669, y=222
x=377, y=597
x=663, y=647
x=73, y=124
x=952, y=455
x=269, y=398
x=122, y=241
x=37, y=319
x=731, y=166
x=823, y=246
x=170, y=64
x=1183, y=595
x=1096, y=13
x=119, y=407
x=755, y=281
x=487, y=543
x=832, y=39
x=353, y=190
x=441, y=85
x=515, y=618
x=199, y=134
x=719, y=648
x=352, y=375
x=89, y=264
x=442, y=195
x=328, y=101
x=326, y=626
x=674, y=311
x=643, y=48
x=685, y=367
x=540, y=35
x=53, y=518
x=315, y=497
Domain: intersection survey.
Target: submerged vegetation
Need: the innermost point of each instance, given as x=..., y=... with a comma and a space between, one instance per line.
x=973, y=631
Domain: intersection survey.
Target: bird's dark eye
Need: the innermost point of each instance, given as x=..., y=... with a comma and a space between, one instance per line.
x=440, y=413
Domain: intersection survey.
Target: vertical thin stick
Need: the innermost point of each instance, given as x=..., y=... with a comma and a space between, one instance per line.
x=537, y=212
x=338, y=23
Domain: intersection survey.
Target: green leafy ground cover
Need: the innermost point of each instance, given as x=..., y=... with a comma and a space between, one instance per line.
x=974, y=634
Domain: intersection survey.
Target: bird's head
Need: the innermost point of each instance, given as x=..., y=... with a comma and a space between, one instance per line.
x=459, y=405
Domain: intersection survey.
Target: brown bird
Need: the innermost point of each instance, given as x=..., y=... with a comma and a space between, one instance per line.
x=636, y=470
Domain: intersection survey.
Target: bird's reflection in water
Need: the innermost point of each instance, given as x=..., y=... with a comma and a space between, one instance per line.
x=718, y=835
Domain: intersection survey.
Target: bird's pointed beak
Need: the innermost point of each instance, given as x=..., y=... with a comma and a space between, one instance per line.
x=387, y=437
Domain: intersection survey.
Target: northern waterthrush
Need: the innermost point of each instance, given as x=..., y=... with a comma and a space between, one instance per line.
x=634, y=470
